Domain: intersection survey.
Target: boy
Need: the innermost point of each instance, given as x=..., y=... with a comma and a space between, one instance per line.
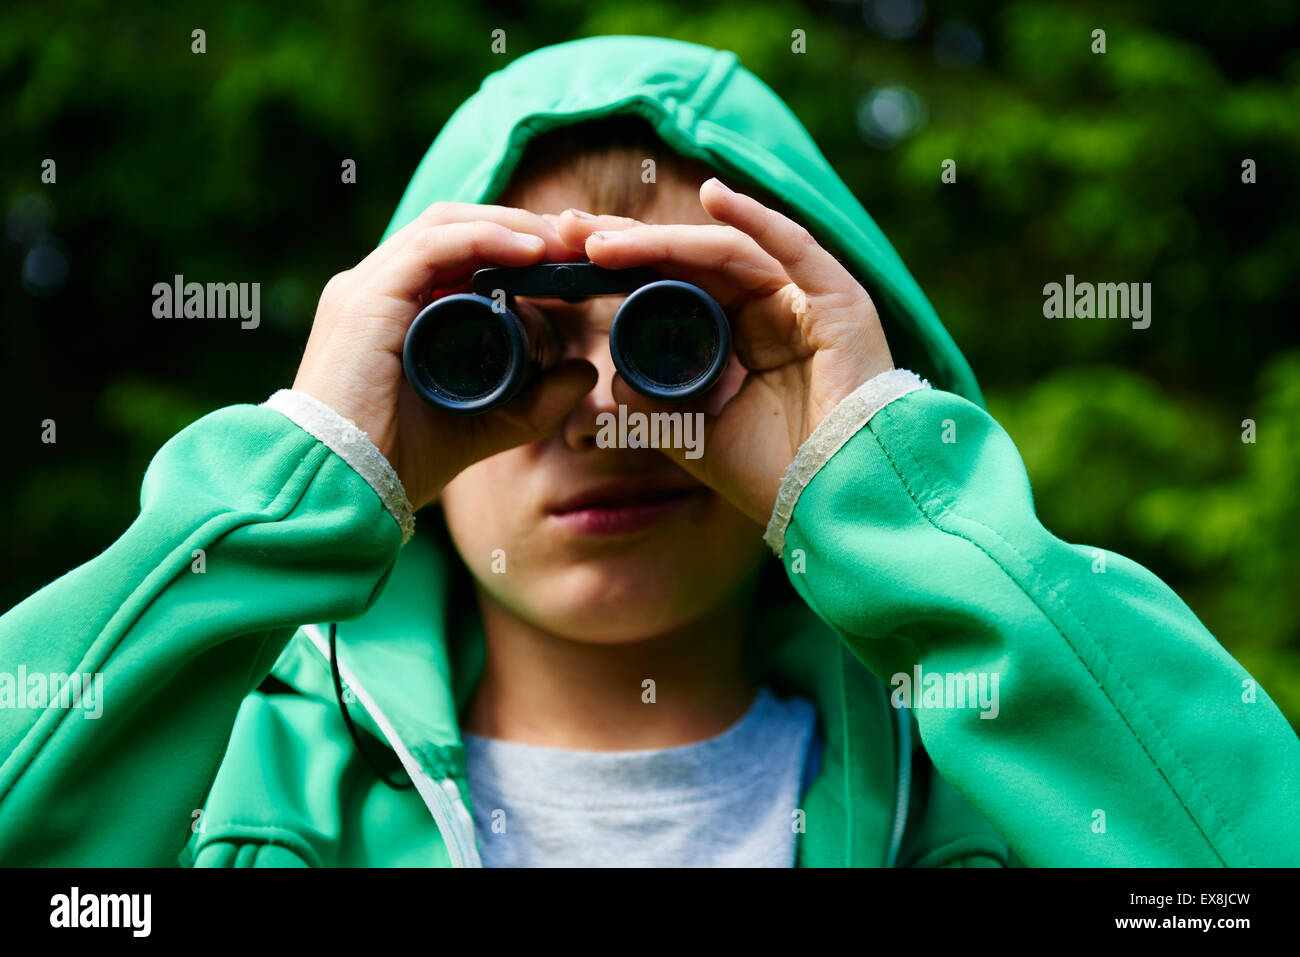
x=610, y=678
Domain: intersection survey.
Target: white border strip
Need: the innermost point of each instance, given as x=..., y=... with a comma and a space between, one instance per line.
x=352, y=445
x=840, y=424
x=441, y=796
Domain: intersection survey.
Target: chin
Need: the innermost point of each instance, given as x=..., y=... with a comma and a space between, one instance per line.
x=616, y=590
x=621, y=598
x=614, y=600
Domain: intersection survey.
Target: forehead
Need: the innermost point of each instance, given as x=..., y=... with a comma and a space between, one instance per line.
x=672, y=199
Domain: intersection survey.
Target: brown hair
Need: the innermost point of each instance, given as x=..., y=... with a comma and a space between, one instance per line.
x=607, y=155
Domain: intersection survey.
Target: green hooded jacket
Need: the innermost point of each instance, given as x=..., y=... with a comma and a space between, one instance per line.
x=1124, y=733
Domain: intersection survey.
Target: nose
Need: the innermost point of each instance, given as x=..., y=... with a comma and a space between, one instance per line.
x=589, y=339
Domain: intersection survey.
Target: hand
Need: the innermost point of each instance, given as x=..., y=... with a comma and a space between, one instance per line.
x=353, y=359
x=804, y=329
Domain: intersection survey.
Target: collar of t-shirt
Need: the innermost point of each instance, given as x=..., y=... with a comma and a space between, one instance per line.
x=730, y=800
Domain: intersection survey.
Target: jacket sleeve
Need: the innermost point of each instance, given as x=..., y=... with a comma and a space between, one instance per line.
x=1121, y=732
x=248, y=527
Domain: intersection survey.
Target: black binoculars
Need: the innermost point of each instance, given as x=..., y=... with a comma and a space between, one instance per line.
x=466, y=353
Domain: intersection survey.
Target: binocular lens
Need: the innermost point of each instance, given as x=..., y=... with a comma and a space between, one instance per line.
x=463, y=355
x=670, y=340
x=468, y=351
x=670, y=345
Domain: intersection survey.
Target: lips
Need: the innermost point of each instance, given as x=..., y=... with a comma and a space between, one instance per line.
x=627, y=492
x=619, y=508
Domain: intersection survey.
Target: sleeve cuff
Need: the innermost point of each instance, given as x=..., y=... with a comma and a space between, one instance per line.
x=353, y=446
x=840, y=425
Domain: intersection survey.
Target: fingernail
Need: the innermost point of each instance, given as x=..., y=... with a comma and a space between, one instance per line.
x=724, y=186
x=579, y=213
x=528, y=238
x=601, y=235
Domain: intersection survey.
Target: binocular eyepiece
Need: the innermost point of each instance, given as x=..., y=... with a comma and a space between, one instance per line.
x=467, y=353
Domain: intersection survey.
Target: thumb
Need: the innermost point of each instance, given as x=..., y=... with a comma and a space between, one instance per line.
x=543, y=407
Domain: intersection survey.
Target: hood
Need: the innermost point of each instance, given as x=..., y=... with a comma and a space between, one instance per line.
x=414, y=658
x=708, y=107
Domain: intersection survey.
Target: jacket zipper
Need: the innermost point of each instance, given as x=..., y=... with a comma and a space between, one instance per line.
x=440, y=795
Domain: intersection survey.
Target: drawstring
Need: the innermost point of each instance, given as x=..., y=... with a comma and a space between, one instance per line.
x=347, y=719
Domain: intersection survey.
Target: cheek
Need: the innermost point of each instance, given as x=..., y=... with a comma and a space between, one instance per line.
x=478, y=508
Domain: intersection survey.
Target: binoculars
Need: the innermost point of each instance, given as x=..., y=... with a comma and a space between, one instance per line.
x=466, y=353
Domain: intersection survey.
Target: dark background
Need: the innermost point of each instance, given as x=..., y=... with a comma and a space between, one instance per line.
x=1117, y=167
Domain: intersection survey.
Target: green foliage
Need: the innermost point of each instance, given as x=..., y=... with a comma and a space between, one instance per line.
x=1116, y=167
x=1184, y=488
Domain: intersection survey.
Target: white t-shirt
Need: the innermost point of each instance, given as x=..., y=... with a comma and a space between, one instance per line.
x=728, y=801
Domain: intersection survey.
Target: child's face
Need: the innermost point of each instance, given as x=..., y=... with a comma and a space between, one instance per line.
x=662, y=552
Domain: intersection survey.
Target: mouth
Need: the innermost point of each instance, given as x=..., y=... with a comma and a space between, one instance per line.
x=621, y=508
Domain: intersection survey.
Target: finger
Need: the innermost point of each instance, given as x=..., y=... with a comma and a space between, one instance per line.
x=444, y=213
x=691, y=250
x=807, y=264
x=576, y=228
x=575, y=225
x=542, y=408
x=441, y=255
x=520, y=220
